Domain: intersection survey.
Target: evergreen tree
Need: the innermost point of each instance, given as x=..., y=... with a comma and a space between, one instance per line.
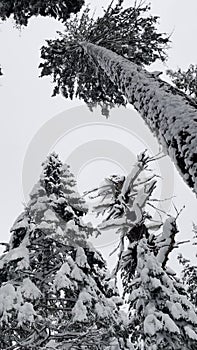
x=23, y=10
x=120, y=77
x=103, y=59
x=161, y=316
x=129, y=32
x=55, y=290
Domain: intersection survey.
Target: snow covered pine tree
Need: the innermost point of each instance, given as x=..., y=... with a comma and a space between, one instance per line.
x=104, y=60
x=161, y=316
x=55, y=290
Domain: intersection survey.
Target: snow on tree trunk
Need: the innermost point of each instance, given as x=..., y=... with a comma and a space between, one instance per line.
x=169, y=113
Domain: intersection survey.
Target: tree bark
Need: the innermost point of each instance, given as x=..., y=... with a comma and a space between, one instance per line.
x=169, y=113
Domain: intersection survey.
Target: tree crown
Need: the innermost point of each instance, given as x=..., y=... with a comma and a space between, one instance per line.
x=129, y=32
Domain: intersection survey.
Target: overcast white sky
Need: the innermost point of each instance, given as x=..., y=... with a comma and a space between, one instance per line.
x=27, y=107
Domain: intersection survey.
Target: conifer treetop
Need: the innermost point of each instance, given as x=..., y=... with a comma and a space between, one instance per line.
x=129, y=32
x=55, y=289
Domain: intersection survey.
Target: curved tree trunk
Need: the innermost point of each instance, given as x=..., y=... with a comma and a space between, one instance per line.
x=169, y=113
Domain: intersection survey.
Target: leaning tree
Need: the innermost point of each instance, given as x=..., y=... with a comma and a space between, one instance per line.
x=101, y=61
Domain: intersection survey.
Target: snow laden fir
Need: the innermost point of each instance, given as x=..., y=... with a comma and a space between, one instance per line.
x=55, y=289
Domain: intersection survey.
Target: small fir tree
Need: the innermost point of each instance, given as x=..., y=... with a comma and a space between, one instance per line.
x=55, y=290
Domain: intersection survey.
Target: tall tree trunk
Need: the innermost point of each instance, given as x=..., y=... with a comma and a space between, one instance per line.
x=169, y=113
